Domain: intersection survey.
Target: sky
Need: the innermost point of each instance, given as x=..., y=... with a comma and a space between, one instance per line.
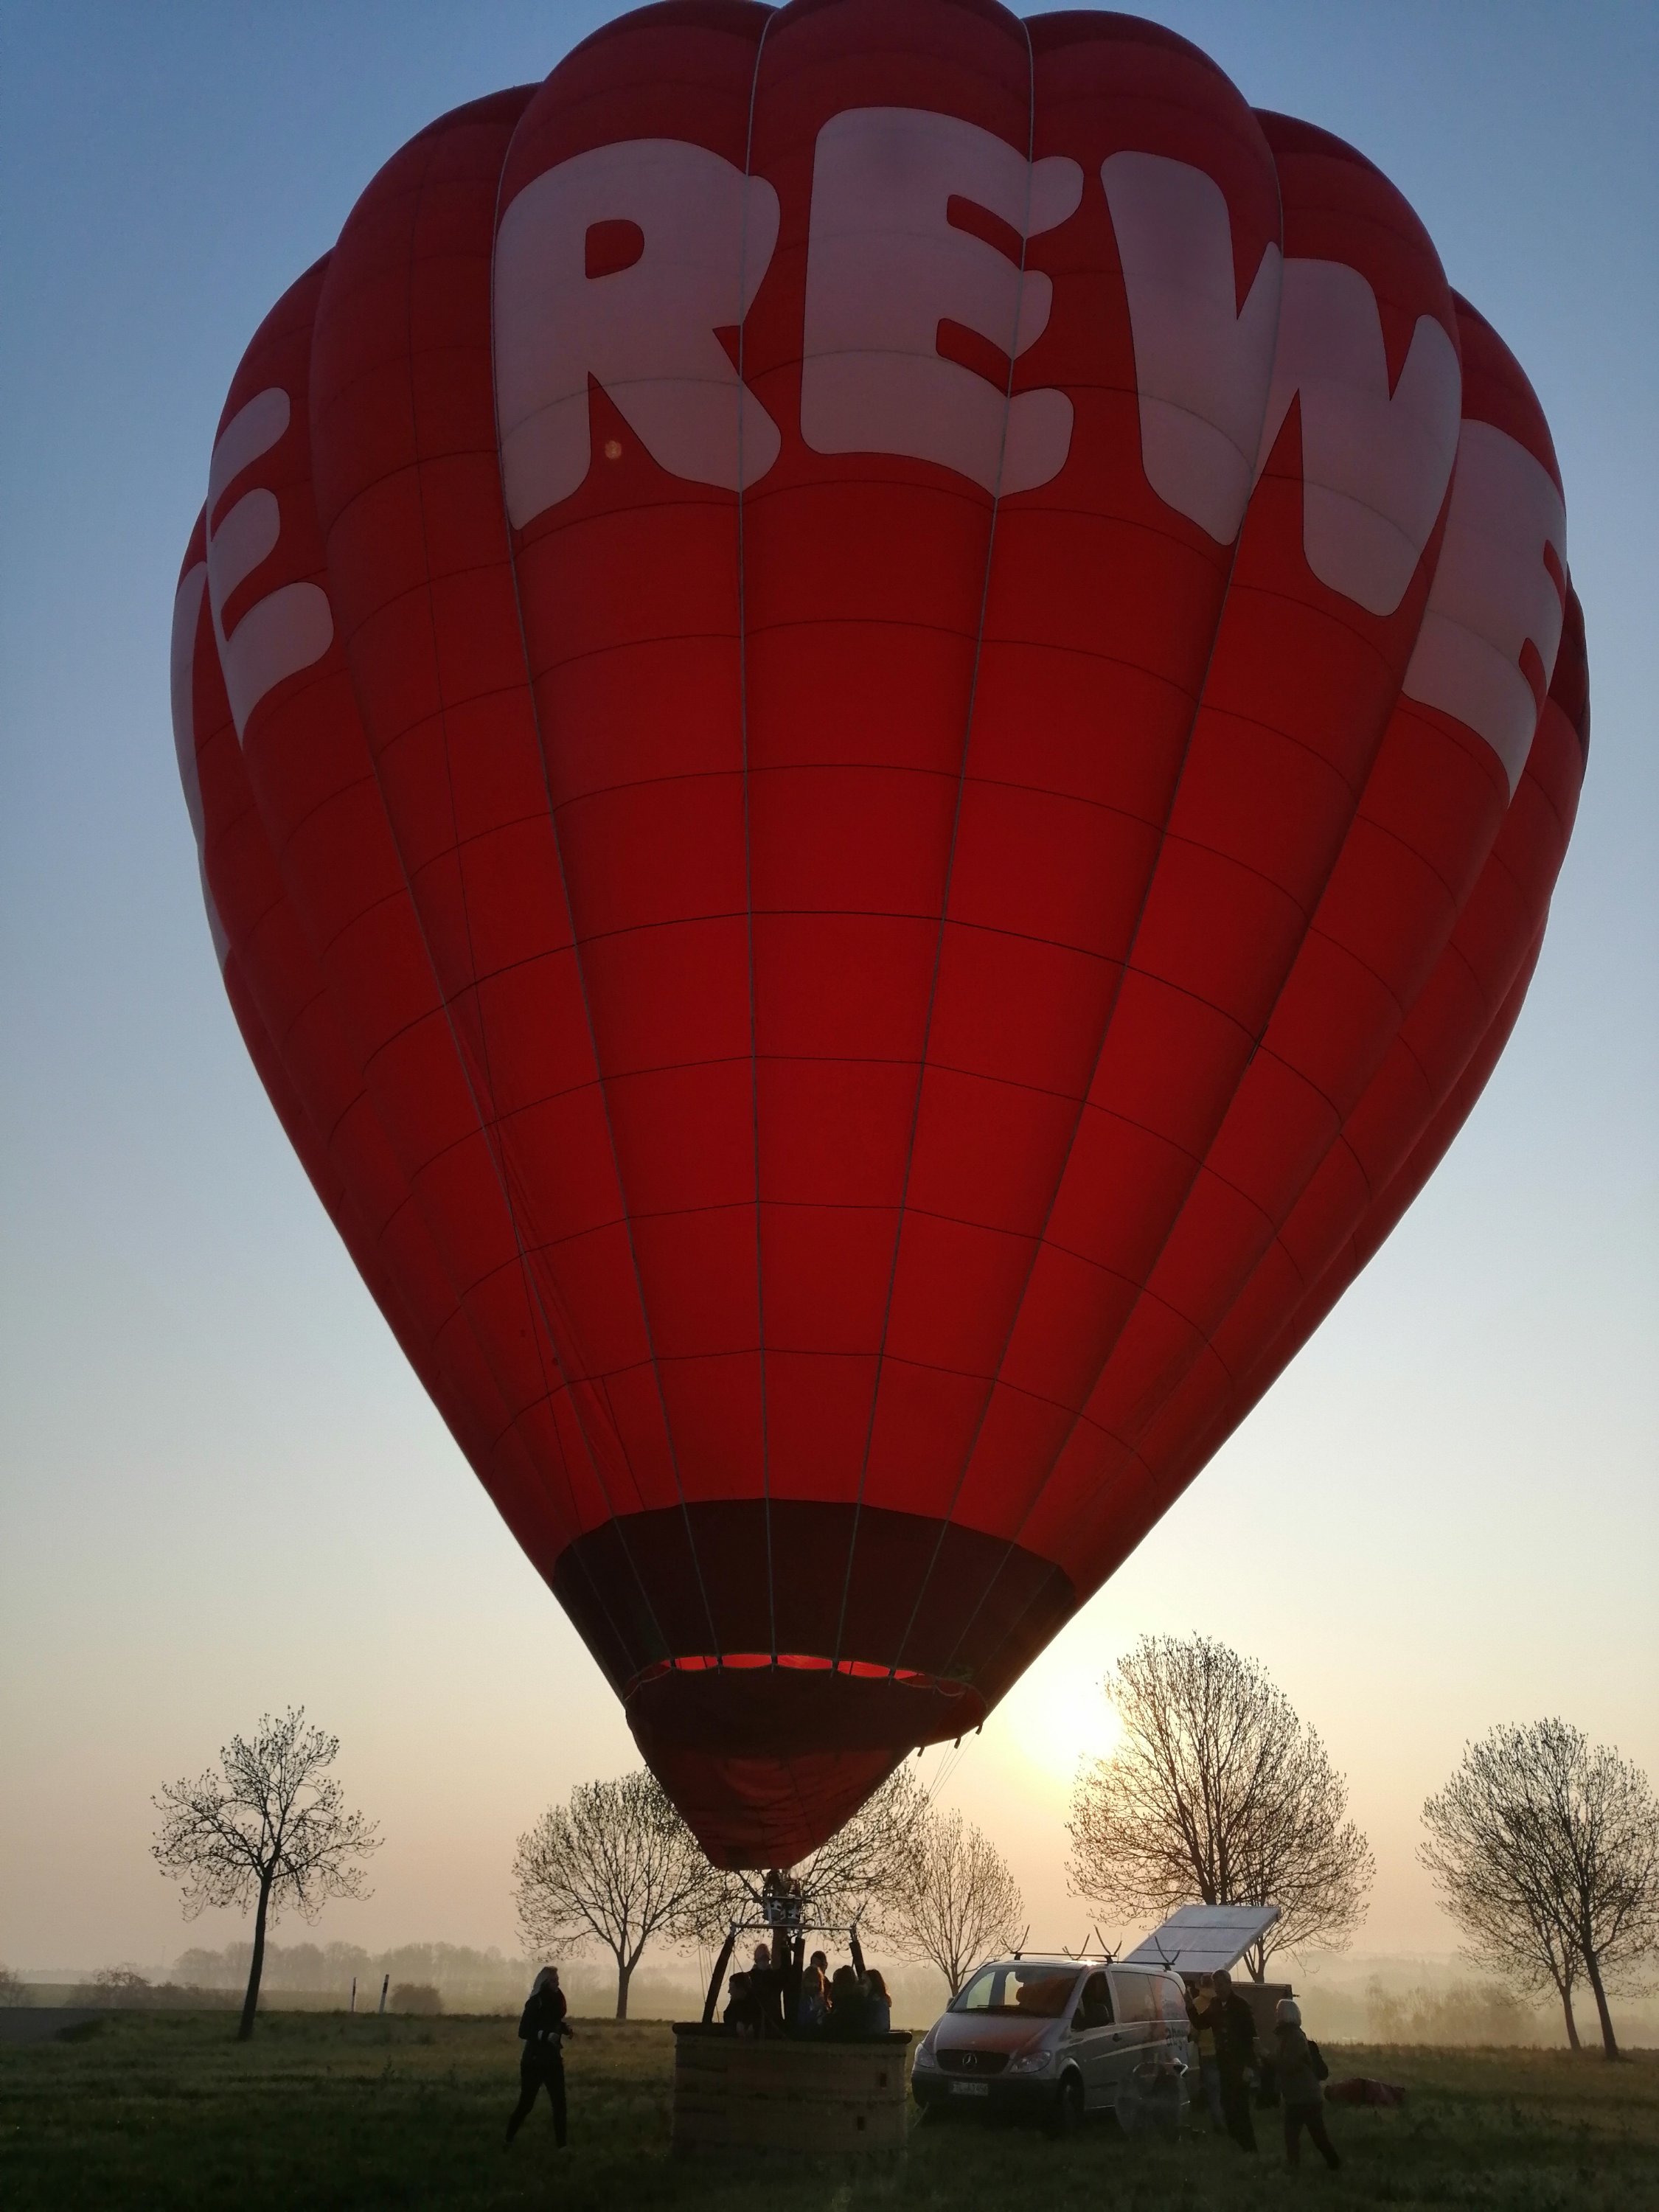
x=221, y=1490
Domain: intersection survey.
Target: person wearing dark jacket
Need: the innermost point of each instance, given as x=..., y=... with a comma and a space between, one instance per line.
x=1299, y=2089
x=849, y=2005
x=542, y=2030
x=1234, y=2051
x=766, y=1987
x=1201, y=2027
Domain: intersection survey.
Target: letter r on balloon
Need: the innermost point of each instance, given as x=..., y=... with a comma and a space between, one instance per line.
x=645, y=331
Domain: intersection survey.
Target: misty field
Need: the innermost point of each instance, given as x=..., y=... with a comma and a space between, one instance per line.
x=322, y=2110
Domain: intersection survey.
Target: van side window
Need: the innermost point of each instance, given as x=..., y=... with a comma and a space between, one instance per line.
x=1174, y=2002
x=1136, y=1996
x=1095, y=2006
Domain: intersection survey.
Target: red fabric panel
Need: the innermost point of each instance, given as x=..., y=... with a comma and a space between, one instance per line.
x=409, y=496
x=1401, y=1128
x=308, y=769
x=285, y=1014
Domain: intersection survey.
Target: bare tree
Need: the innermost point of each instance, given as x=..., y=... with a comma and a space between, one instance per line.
x=863, y=1868
x=12, y=1990
x=270, y=1828
x=1546, y=1850
x=1218, y=1794
x=617, y=1864
x=857, y=1875
x=1493, y=1879
x=956, y=1901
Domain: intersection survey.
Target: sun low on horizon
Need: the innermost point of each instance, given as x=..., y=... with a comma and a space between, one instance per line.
x=1057, y=1718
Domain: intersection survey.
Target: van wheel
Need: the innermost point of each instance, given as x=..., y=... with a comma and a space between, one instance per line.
x=1067, y=2117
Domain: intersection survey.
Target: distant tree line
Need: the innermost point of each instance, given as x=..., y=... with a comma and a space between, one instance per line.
x=456, y=1969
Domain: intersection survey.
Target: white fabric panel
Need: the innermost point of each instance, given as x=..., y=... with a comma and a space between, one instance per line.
x=1492, y=595
x=291, y=627
x=1202, y=365
x=186, y=623
x=646, y=332
x=246, y=535
x=276, y=637
x=885, y=265
x=253, y=430
x=186, y=616
x=1375, y=465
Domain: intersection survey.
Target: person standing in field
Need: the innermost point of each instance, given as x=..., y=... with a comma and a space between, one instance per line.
x=1234, y=2051
x=766, y=1987
x=1303, y=2098
x=1200, y=2018
x=542, y=2028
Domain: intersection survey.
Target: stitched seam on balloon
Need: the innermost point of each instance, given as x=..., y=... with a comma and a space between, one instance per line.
x=784, y=624
x=581, y=977
x=978, y=929
x=1072, y=798
x=748, y=840
x=498, y=1161
x=1105, y=1036
x=950, y=870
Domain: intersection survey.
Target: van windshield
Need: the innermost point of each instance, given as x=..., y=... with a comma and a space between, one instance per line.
x=1036, y=1992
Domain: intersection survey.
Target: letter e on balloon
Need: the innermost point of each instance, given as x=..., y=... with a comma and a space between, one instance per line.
x=886, y=265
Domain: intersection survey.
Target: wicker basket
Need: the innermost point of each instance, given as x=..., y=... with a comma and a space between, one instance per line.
x=807, y=2097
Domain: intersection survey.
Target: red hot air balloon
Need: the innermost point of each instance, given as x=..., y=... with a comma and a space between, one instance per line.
x=880, y=703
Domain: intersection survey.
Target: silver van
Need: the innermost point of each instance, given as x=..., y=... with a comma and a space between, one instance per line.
x=1054, y=2037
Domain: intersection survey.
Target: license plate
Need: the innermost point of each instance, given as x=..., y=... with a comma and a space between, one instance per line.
x=970, y=2088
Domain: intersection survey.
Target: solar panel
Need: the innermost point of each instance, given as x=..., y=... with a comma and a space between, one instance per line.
x=1202, y=1939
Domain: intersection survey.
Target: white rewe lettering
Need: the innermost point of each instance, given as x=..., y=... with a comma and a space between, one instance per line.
x=1374, y=465
x=885, y=266
x=291, y=627
x=1493, y=594
x=1202, y=365
x=186, y=620
x=645, y=331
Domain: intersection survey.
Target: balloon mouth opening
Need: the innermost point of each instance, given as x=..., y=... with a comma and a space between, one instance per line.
x=804, y=1662
x=767, y=1761
x=778, y=1658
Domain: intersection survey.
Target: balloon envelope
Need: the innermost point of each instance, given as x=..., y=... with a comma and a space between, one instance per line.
x=880, y=703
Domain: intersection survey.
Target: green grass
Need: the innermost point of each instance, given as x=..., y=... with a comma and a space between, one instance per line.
x=321, y=2110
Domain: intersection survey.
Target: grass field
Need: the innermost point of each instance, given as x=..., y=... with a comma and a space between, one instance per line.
x=323, y=2111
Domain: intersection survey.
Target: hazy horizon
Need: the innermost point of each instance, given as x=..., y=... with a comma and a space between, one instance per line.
x=221, y=1491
